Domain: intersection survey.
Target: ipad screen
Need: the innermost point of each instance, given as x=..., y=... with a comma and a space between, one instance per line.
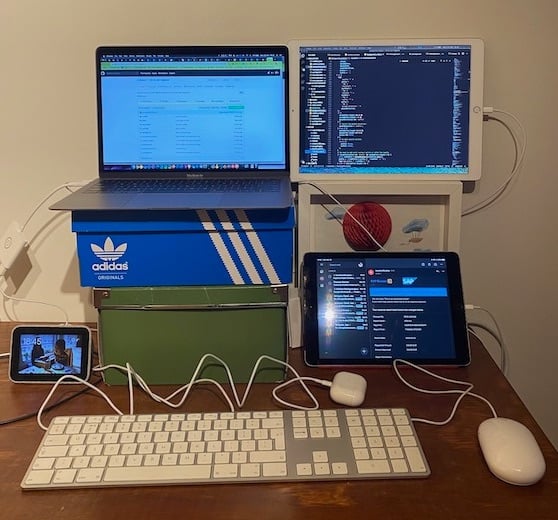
x=374, y=307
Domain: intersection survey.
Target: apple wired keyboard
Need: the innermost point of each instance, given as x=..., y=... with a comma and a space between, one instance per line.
x=203, y=448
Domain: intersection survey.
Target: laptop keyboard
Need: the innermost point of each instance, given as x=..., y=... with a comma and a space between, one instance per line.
x=185, y=186
x=209, y=448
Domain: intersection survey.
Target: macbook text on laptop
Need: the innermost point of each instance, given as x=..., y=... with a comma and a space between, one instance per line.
x=189, y=127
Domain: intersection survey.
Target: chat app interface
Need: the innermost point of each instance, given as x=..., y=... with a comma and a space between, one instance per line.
x=384, y=308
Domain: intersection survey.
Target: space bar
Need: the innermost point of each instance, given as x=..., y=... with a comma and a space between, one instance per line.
x=157, y=474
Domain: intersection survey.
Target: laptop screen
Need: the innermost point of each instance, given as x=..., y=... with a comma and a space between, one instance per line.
x=168, y=110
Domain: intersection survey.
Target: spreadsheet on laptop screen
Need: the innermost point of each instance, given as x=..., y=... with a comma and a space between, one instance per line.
x=184, y=109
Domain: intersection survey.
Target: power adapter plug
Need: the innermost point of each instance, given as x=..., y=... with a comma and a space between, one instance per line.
x=12, y=244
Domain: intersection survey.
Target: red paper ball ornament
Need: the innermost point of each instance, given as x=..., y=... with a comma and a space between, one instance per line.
x=374, y=218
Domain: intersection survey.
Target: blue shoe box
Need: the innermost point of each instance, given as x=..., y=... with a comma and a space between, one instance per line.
x=184, y=247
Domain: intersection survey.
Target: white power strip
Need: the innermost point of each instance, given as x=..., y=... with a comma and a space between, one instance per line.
x=12, y=244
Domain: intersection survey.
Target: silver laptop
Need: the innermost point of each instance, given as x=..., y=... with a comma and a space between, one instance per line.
x=188, y=128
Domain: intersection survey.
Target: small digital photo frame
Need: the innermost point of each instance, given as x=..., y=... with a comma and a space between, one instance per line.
x=45, y=353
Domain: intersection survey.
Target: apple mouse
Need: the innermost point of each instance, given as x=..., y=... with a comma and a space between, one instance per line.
x=511, y=451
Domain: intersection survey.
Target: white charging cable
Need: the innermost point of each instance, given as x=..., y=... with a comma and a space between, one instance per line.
x=68, y=186
x=462, y=393
x=496, y=334
x=345, y=388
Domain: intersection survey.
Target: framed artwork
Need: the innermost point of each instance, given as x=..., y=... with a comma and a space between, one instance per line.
x=402, y=216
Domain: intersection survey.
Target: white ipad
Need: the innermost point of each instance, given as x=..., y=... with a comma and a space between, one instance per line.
x=386, y=109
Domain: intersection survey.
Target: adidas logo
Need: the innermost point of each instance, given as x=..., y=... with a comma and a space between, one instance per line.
x=109, y=255
x=108, y=252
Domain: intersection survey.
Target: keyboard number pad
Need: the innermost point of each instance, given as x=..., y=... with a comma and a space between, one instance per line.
x=383, y=442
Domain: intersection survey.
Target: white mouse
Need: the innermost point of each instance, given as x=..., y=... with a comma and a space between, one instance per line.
x=511, y=451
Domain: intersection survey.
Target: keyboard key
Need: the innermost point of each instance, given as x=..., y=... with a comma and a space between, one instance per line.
x=373, y=466
x=240, y=457
x=399, y=466
x=64, y=476
x=89, y=475
x=274, y=469
x=339, y=468
x=44, y=463
x=57, y=440
x=38, y=477
x=415, y=459
x=225, y=470
x=267, y=456
x=250, y=470
x=161, y=473
x=53, y=451
x=320, y=456
x=304, y=469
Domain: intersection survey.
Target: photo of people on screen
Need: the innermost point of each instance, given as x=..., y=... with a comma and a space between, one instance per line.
x=50, y=354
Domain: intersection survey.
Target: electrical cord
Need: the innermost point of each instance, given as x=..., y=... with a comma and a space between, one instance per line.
x=469, y=387
x=347, y=212
x=68, y=186
x=520, y=146
x=37, y=302
x=462, y=393
x=503, y=356
x=12, y=420
x=133, y=376
x=497, y=334
x=185, y=389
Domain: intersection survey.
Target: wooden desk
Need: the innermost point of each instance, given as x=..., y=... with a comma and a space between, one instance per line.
x=460, y=487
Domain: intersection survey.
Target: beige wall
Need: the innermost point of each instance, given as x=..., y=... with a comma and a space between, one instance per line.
x=509, y=251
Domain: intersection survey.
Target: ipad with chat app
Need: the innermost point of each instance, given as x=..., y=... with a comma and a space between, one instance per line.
x=371, y=308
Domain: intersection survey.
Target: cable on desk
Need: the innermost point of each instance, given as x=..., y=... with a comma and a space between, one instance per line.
x=462, y=393
x=12, y=420
x=133, y=376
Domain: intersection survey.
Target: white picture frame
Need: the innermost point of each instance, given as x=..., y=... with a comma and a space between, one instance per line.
x=435, y=206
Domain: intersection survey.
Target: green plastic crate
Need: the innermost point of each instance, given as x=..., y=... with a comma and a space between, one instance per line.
x=163, y=332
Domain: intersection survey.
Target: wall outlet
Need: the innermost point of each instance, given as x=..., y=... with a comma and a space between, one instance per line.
x=12, y=243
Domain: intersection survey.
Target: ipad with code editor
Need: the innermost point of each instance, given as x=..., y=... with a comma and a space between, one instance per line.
x=405, y=109
x=371, y=308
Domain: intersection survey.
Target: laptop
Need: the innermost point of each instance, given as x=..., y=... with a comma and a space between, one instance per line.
x=190, y=127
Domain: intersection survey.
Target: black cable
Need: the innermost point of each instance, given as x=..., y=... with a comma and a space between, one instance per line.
x=13, y=420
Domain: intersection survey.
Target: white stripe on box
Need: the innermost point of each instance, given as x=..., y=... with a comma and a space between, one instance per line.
x=220, y=246
x=239, y=247
x=258, y=246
